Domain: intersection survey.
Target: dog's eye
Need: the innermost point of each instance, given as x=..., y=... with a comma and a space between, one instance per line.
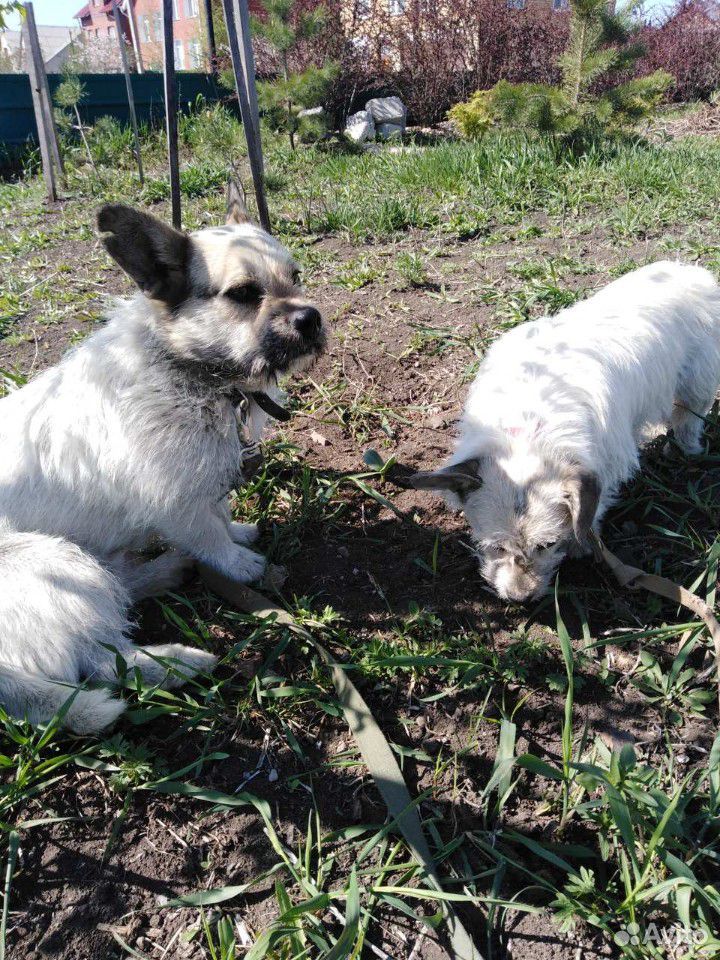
x=296, y=277
x=542, y=547
x=246, y=294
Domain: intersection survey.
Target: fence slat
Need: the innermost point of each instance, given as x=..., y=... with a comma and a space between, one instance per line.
x=250, y=120
x=40, y=119
x=128, y=84
x=210, y=27
x=137, y=51
x=171, y=110
x=247, y=58
x=43, y=90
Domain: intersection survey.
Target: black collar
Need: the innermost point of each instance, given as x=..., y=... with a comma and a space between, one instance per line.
x=271, y=408
x=219, y=381
x=266, y=403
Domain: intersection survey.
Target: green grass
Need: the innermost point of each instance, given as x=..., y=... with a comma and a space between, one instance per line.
x=448, y=247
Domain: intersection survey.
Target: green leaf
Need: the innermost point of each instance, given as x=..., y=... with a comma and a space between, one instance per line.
x=343, y=946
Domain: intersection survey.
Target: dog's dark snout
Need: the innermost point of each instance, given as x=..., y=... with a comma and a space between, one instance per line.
x=307, y=321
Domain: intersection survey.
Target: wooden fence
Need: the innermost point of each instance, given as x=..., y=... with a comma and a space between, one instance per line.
x=237, y=21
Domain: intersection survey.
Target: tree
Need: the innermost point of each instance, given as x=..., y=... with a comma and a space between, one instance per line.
x=600, y=48
x=6, y=7
x=68, y=96
x=283, y=98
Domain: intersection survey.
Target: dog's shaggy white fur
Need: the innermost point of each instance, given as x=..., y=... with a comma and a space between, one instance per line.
x=133, y=441
x=560, y=407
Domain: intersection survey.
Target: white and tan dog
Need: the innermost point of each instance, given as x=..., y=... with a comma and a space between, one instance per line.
x=560, y=407
x=133, y=440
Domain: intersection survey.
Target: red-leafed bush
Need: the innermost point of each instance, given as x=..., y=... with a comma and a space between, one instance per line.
x=436, y=54
x=433, y=54
x=687, y=45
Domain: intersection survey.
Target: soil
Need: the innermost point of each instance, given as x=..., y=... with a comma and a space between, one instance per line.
x=96, y=880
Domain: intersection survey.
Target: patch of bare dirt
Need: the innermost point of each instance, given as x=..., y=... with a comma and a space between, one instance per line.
x=84, y=883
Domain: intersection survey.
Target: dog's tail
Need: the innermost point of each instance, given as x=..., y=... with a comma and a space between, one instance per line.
x=39, y=699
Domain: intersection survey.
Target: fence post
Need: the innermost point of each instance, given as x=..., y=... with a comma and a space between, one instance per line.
x=247, y=58
x=130, y=14
x=210, y=27
x=43, y=90
x=43, y=137
x=171, y=109
x=251, y=123
x=128, y=85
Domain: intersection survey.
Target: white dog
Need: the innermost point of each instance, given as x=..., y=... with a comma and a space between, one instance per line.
x=134, y=440
x=554, y=419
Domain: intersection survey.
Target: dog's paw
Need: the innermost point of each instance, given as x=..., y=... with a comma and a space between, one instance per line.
x=247, y=566
x=690, y=447
x=244, y=533
x=188, y=662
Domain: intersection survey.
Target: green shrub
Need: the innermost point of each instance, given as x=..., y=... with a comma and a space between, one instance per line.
x=111, y=142
x=200, y=179
x=599, y=49
x=283, y=99
x=475, y=117
x=211, y=130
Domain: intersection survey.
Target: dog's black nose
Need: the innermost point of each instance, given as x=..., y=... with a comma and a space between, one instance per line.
x=307, y=321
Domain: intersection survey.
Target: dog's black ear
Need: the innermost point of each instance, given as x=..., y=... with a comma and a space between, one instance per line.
x=237, y=211
x=461, y=478
x=583, y=489
x=154, y=254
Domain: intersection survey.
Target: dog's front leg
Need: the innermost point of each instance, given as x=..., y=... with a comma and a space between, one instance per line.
x=242, y=533
x=206, y=536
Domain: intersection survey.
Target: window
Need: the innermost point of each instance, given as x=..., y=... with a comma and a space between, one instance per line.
x=111, y=32
x=396, y=7
x=146, y=29
x=158, y=26
x=560, y=4
x=517, y=4
x=363, y=9
x=191, y=8
x=176, y=9
x=179, y=55
x=195, y=55
x=97, y=32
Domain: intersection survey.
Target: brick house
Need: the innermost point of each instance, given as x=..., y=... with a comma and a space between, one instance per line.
x=143, y=18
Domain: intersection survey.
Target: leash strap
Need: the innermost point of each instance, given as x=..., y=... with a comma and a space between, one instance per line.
x=634, y=578
x=374, y=748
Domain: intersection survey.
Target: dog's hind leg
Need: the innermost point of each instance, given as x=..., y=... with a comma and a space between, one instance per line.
x=694, y=398
x=56, y=604
x=687, y=426
x=149, y=578
x=695, y=393
x=64, y=620
x=166, y=664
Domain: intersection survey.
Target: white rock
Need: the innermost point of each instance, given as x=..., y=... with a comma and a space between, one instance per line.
x=387, y=110
x=312, y=112
x=388, y=130
x=360, y=126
